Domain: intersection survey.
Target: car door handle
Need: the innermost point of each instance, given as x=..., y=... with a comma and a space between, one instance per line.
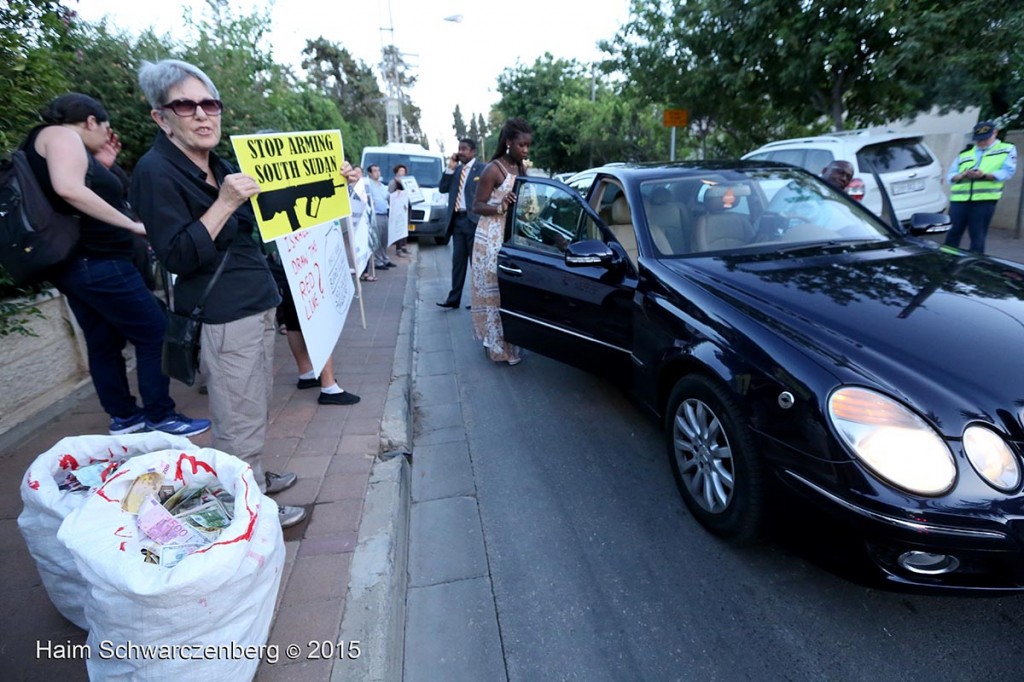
x=510, y=269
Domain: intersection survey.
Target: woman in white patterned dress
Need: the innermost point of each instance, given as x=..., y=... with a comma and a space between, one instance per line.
x=493, y=197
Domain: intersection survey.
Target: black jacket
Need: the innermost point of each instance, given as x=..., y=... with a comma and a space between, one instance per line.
x=170, y=194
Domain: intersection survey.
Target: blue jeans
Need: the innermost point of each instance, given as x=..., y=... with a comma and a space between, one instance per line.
x=975, y=216
x=112, y=306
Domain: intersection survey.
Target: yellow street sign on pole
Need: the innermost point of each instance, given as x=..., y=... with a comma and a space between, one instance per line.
x=676, y=118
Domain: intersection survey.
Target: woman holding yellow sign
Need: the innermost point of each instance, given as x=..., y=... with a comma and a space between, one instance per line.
x=200, y=223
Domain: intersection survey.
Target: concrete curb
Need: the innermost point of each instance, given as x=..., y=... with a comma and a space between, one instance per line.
x=375, y=604
x=396, y=423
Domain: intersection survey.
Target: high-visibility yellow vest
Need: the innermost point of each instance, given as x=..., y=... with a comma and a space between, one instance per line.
x=992, y=159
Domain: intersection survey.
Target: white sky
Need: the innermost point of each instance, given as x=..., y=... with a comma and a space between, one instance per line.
x=457, y=63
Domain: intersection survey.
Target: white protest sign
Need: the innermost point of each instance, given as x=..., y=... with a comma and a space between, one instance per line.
x=412, y=189
x=320, y=281
x=398, y=216
x=360, y=236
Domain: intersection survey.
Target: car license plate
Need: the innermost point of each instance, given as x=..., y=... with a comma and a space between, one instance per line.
x=909, y=186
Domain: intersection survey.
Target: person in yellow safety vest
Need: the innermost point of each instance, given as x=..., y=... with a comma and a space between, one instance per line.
x=976, y=179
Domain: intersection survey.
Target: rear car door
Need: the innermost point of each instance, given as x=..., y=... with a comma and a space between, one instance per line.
x=579, y=314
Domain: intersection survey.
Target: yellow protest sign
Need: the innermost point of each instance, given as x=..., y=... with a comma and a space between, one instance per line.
x=300, y=179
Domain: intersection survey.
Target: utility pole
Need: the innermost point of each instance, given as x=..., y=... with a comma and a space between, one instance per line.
x=393, y=103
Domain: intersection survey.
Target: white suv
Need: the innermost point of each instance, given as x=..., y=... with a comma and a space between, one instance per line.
x=909, y=170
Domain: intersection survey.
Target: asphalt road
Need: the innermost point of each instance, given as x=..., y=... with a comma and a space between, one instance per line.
x=599, y=572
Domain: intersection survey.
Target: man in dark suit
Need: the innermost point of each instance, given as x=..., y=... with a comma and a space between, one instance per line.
x=460, y=180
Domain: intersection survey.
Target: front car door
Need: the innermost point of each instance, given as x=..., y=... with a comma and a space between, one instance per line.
x=580, y=315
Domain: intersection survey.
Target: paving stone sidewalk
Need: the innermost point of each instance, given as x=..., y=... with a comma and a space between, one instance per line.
x=331, y=448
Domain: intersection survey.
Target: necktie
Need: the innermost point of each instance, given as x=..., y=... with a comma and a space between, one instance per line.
x=460, y=200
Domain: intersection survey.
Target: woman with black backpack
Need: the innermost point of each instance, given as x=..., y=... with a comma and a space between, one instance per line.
x=104, y=289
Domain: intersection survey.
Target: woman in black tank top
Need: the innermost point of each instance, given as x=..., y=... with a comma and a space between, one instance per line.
x=104, y=289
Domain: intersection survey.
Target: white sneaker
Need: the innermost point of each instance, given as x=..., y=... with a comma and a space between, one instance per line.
x=289, y=516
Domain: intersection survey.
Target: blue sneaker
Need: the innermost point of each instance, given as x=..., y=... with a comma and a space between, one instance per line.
x=180, y=425
x=119, y=426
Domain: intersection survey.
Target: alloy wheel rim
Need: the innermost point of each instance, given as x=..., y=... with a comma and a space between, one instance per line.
x=703, y=456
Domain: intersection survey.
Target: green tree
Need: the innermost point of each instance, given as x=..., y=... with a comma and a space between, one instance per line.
x=105, y=66
x=533, y=93
x=350, y=83
x=35, y=49
x=972, y=53
x=234, y=52
x=579, y=122
x=459, y=125
x=481, y=126
x=750, y=72
x=611, y=127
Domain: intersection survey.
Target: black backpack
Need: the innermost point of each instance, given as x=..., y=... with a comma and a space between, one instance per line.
x=34, y=237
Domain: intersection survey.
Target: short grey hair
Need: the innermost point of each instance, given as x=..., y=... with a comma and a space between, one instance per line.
x=157, y=79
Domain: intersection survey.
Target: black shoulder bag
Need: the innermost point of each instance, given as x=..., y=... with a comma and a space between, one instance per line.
x=180, y=357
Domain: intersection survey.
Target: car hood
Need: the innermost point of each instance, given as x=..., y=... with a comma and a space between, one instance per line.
x=938, y=328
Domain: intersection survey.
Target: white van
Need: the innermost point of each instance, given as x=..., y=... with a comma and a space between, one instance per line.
x=428, y=218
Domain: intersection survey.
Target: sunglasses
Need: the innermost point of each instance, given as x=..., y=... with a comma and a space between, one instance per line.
x=188, y=107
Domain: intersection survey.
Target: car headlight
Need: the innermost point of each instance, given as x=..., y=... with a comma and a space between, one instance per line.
x=991, y=457
x=439, y=199
x=892, y=441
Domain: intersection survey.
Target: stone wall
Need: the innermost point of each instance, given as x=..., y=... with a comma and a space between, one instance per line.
x=36, y=371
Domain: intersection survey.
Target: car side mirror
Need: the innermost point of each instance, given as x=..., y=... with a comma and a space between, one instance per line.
x=588, y=252
x=923, y=223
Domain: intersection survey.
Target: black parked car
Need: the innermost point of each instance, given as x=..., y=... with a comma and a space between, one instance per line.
x=784, y=332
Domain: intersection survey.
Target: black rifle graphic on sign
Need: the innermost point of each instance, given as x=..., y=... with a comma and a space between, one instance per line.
x=283, y=200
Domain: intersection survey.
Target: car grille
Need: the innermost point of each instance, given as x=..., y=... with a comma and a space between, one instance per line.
x=418, y=215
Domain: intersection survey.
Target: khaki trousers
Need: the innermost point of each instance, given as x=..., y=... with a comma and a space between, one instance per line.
x=237, y=360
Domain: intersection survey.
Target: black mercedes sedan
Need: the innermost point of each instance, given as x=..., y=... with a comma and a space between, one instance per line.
x=785, y=334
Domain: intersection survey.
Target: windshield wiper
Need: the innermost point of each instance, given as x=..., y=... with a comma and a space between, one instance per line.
x=826, y=245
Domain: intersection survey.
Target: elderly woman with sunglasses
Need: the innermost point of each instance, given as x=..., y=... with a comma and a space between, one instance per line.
x=100, y=282
x=197, y=212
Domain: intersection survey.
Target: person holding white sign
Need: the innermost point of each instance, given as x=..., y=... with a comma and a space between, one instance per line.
x=288, y=317
x=398, y=215
x=378, y=194
x=200, y=222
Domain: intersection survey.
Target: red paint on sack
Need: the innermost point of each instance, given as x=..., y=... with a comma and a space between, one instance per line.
x=100, y=491
x=119, y=534
x=196, y=465
x=247, y=535
x=125, y=543
x=33, y=484
x=68, y=462
x=107, y=470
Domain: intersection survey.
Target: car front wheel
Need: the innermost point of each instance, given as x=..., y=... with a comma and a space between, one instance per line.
x=713, y=460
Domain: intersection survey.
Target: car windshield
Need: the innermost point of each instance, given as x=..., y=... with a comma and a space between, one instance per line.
x=752, y=211
x=426, y=169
